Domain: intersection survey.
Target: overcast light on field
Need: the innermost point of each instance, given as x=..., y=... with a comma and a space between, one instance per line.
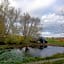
x=51, y=13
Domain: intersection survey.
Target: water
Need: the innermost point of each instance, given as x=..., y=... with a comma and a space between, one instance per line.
x=16, y=55
x=49, y=51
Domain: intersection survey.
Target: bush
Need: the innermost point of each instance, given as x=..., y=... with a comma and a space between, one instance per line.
x=14, y=39
x=2, y=39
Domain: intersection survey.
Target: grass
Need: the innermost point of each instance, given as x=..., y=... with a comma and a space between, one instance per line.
x=36, y=59
x=59, y=55
x=59, y=42
x=55, y=62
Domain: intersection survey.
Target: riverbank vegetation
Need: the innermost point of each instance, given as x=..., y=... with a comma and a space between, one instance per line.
x=15, y=27
x=54, y=62
x=14, y=57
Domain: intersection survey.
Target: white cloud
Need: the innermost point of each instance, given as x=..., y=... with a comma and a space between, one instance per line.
x=40, y=4
x=53, y=23
x=30, y=5
x=60, y=10
x=46, y=33
x=49, y=34
x=13, y=3
x=52, y=18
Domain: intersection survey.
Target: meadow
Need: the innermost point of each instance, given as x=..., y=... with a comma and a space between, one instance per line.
x=56, y=41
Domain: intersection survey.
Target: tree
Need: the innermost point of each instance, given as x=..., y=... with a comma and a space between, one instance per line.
x=30, y=25
x=11, y=16
x=2, y=26
x=4, y=10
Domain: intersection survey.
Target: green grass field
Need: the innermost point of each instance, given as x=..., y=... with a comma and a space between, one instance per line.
x=56, y=41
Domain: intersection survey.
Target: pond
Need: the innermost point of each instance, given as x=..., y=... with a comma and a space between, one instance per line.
x=49, y=51
x=17, y=55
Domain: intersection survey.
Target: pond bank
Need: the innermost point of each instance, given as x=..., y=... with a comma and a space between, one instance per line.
x=49, y=44
x=21, y=46
x=45, y=61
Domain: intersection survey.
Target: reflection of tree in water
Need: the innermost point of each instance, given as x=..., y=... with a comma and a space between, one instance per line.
x=26, y=49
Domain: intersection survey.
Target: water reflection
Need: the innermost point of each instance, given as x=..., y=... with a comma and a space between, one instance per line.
x=49, y=51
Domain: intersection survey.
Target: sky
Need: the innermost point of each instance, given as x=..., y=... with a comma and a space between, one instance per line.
x=51, y=13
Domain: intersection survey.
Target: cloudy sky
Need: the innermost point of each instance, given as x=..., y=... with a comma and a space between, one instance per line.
x=51, y=13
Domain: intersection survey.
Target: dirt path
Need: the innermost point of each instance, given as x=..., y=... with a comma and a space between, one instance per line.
x=42, y=61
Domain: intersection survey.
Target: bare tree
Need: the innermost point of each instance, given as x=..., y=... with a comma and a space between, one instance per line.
x=10, y=14
x=30, y=25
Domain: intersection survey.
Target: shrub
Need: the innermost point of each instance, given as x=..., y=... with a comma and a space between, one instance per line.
x=13, y=39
